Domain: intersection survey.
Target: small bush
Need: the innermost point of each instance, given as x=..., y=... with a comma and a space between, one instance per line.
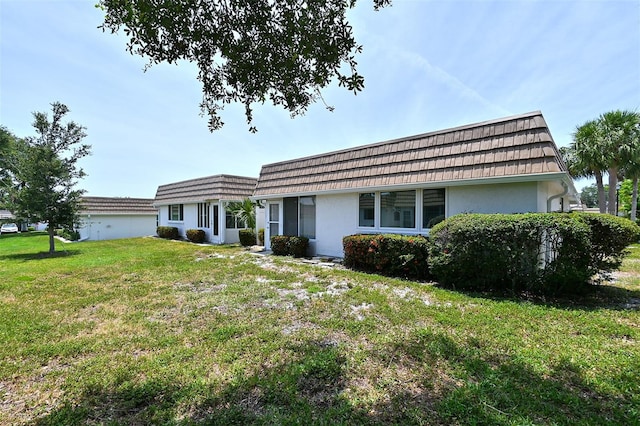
x=279, y=245
x=297, y=246
x=169, y=232
x=285, y=245
x=261, y=236
x=68, y=234
x=247, y=237
x=196, y=235
x=388, y=254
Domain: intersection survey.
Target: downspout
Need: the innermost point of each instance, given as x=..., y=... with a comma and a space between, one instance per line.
x=553, y=197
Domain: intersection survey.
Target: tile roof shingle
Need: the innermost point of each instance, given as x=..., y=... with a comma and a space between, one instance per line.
x=117, y=205
x=221, y=187
x=509, y=146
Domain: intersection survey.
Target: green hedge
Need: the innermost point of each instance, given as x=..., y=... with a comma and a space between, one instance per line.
x=170, y=232
x=537, y=252
x=285, y=245
x=196, y=235
x=247, y=237
x=387, y=254
x=610, y=237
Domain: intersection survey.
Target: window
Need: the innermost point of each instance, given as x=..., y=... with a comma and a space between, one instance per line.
x=299, y=216
x=398, y=209
x=203, y=215
x=308, y=217
x=176, y=212
x=274, y=219
x=232, y=222
x=366, y=209
x=432, y=207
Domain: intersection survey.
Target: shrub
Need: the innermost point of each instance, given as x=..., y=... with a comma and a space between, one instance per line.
x=247, y=237
x=538, y=252
x=297, y=246
x=261, y=236
x=610, y=236
x=170, y=232
x=68, y=234
x=388, y=254
x=285, y=245
x=196, y=235
x=279, y=245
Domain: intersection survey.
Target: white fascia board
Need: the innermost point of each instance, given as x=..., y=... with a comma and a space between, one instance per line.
x=539, y=177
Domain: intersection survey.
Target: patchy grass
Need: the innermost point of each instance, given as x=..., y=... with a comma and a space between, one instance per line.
x=152, y=331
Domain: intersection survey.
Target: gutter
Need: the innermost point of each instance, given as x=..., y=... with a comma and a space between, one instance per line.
x=553, y=197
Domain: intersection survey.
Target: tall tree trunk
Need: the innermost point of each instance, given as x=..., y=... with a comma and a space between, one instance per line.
x=602, y=201
x=613, y=183
x=634, y=198
x=52, y=241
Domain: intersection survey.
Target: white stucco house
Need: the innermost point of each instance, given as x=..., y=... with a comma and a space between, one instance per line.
x=201, y=204
x=508, y=165
x=109, y=218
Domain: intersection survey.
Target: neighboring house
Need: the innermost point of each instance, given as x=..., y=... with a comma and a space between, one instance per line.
x=109, y=218
x=405, y=186
x=6, y=214
x=201, y=204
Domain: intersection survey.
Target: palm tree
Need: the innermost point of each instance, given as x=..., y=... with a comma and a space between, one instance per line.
x=588, y=157
x=620, y=142
x=244, y=211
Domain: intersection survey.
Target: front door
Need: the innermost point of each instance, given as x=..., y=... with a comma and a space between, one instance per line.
x=273, y=225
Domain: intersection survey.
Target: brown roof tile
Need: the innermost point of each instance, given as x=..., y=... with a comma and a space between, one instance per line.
x=498, y=148
x=117, y=205
x=218, y=187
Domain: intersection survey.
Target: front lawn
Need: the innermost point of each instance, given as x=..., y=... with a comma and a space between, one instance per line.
x=153, y=331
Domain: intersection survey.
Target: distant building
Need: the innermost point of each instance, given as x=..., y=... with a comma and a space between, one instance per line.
x=110, y=218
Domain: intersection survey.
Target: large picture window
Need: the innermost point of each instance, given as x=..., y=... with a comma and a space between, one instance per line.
x=232, y=222
x=176, y=212
x=366, y=209
x=398, y=209
x=432, y=207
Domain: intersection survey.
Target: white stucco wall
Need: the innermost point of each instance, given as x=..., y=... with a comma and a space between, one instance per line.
x=111, y=227
x=336, y=217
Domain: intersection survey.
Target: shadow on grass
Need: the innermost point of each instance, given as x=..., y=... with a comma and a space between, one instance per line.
x=40, y=255
x=450, y=384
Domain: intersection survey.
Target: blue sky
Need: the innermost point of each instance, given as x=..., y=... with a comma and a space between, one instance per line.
x=428, y=65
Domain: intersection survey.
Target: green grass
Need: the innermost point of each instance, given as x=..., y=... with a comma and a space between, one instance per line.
x=149, y=331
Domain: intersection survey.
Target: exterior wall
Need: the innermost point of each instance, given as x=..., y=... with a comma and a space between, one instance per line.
x=500, y=198
x=336, y=217
x=110, y=227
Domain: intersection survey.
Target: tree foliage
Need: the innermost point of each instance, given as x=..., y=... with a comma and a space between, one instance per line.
x=8, y=142
x=44, y=172
x=589, y=196
x=244, y=211
x=282, y=51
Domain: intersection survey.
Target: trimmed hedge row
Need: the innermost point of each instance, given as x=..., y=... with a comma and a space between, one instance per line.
x=285, y=245
x=170, y=232
x=387, y=254
x=545, y=253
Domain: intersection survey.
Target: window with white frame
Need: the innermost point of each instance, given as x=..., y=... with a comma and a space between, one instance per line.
x=401, y=209
x=432, y=207
x=398, y=209
x=203, y=215
x=233, y=222
x=176, y=212
x=366, y=209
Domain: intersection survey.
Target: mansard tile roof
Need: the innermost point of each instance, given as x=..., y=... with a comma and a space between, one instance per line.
x=117, y=205
x=217, y=187
x=511, y=146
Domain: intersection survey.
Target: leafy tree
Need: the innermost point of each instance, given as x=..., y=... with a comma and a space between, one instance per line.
x=589, y=196
x=282, y=51
x=8, y=143
x=44, y=172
